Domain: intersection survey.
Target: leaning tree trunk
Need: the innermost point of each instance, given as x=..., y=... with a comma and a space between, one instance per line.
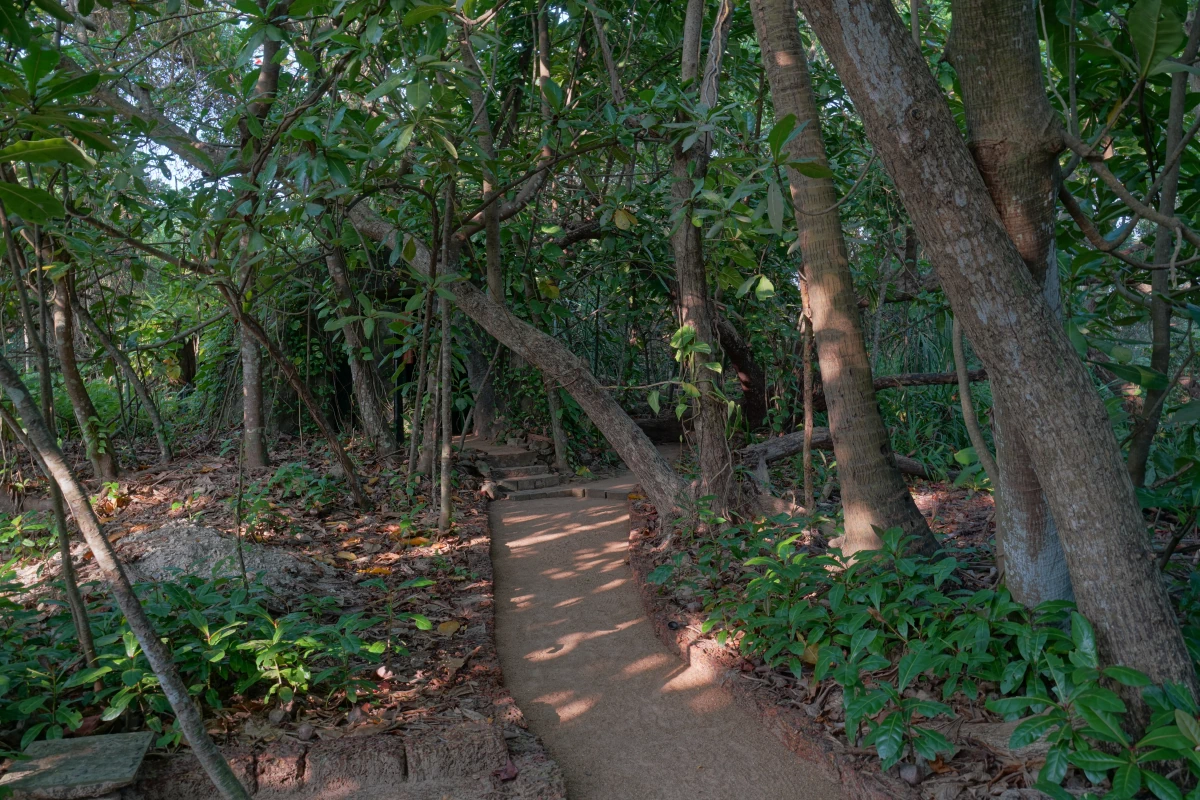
x=99, y=449
x=664, y=488
x=364, y=375
x=187, y=714
x=750, y=374
x=1033, y=367
x=1012, y=134
x=135, y=380
x=874, y=495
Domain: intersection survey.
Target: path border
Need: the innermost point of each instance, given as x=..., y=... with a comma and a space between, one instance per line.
x=679, y=630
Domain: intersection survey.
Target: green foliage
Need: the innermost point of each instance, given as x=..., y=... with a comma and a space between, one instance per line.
x=891, y=628
x=226, y=642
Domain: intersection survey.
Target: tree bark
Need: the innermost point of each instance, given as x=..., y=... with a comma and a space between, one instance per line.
x=99, y=449
x=254, y=432
x=1012, y=136
x=791, y=444
x=664, y=488
x=687, y=242
x=447, y=398
x=1032, y=365
x=186, y=713
x=364, y=376
x=874, y=495
x=139, y=386
x=750, y=373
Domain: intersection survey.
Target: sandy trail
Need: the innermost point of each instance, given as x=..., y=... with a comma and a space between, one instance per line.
x=623, y=717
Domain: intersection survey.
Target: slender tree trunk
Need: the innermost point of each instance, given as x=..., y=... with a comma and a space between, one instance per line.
x=251, y=326
x=1146, y=426
x=806, y=463
x=1031, y=364
x=364, y=375
x=695, y=305
x=99, y=449
x=1011, y=132
x=187, y=715
x=750, y=373
x=447, y=403
x=970, y=418
x=135, y=380
x=419, y=402
x=874, y=495
x=253, y=428
x=558, y=433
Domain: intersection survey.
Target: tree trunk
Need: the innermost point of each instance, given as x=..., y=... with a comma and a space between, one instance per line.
x=1032, y=366
x=99, y=449
x=750, y=374
x=695, y=306
x=664, y=488
x=364, y=376
x=1146, y=426
x=558, y=434
x=1011, y=132
x=187, y=715
x=135, y=380
x=874, y=495
x=253, y=428
x=447, y=399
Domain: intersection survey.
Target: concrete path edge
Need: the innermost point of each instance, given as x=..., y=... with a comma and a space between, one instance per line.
x=679, y=630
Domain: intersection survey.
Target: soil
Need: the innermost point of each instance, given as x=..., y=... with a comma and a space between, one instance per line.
x=623, y=717
x=438, y=722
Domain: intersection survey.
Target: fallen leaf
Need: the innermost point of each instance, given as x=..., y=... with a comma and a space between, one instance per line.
x=507, y=773
x=346, y=555
x=449, y=627
x=416, y=541
x=376, y=571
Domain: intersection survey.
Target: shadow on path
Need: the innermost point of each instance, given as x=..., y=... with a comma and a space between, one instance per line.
x=623, y=717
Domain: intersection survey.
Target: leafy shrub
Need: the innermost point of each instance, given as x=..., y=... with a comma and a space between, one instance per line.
x=893, y=630
x=225, y=641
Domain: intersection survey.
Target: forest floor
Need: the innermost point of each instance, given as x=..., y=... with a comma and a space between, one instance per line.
x=308, y=540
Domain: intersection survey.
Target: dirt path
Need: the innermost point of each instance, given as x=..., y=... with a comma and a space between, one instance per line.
x=622, y=716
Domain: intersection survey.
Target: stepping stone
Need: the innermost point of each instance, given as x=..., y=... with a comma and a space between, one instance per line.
x=74, y=769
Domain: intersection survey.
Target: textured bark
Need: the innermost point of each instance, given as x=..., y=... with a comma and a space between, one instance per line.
x=687, y=244
x=1012, y=135
x=99, y=449
x=139, y=386
x=187, y=715
x=1146, y=427
x=1032, y=365
x=447, y=399
x=664, y=488
x=750, y=373
x=874, y=495
x=364, y=374
x=907, y=379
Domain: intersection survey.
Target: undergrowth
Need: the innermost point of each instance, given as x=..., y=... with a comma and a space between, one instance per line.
x=904, y=639
x=227, y=645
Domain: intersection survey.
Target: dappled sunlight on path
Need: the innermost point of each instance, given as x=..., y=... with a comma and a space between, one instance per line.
x=622, y=716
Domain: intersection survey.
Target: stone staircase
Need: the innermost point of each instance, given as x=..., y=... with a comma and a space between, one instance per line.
x=514, y=472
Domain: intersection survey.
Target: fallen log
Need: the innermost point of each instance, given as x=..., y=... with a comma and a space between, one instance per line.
x=791, y=444
x=908, y=379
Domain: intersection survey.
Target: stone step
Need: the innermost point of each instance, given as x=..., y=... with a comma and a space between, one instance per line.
x=531, y=482
x=543, y=494
x=505, y=457
x=501, y=473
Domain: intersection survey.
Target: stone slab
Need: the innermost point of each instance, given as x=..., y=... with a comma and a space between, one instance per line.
x=74, y=769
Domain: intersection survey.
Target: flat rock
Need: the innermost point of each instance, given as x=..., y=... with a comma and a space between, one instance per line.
x=71, y=769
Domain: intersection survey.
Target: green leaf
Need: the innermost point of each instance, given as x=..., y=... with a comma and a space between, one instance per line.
x=388, y=86
x=1127, y=676
x=1126, y=781
x=1055, y=768
x=1188, y=725
x=812, y=169
x=422, y=13
x=13, y=26
x=1186, y=413
x=765, y=290
x=911, y=665
x=1136, y=374
x=1156, y=31
x=652, y=400
x=55, y=10
x=780, y=133
x=1031, y=730
x=1084, y=637
x=1095, y=761
x=888, y=736
x=30, y=204
x=40, y=151
x=746, y=285
x=1162, y=788
x=1168, y=736
x=775, y=206
x=661, y=574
